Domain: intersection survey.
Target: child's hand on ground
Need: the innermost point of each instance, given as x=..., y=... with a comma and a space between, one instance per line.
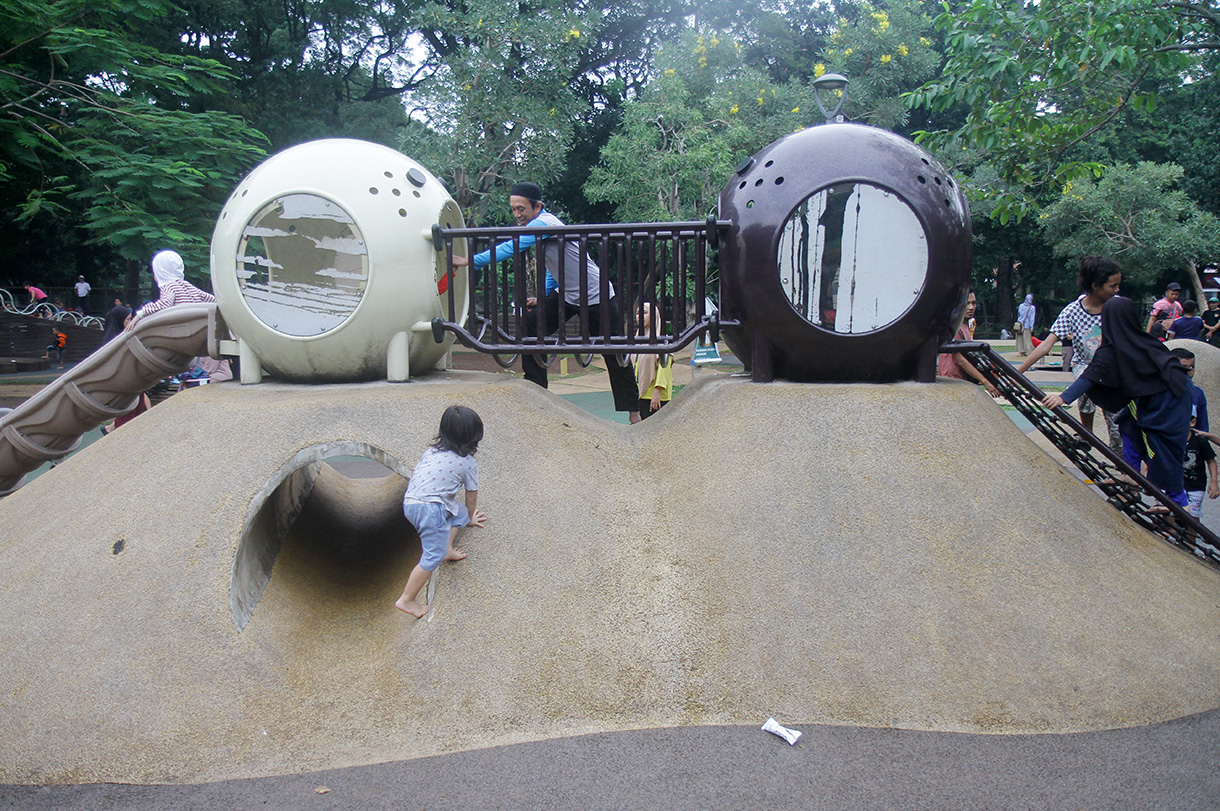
x=479, y=518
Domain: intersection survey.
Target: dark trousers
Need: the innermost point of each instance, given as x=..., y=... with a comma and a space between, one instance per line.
x=622, y=376
x=1155, y=428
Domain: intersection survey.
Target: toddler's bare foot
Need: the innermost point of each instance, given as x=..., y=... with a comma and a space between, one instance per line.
x=454, y=554
x=411, y=607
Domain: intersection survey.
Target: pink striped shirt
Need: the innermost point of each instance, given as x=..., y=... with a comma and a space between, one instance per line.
x=179, y=291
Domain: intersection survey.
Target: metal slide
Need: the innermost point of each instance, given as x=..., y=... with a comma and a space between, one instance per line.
x=103, y=386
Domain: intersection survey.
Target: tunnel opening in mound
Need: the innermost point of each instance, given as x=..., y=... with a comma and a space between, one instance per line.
x=329, y=527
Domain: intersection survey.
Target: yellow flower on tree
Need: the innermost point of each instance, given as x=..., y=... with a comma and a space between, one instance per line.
x=818, y=70
x=733, y=110
x=886, y=59
x=902, y=50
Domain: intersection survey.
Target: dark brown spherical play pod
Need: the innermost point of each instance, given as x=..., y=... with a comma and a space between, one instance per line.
x=847, y=258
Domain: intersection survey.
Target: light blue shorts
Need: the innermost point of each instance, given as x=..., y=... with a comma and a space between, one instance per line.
x=433, y=523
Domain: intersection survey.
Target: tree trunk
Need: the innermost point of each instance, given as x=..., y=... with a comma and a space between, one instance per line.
x=1005, y=310
x=1192, y=272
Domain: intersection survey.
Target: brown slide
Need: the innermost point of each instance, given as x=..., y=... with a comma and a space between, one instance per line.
x=103, y=386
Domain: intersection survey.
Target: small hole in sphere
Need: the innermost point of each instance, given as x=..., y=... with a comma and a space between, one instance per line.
x=937, y=179
x=758, y=182
x=768, y=164
x=922, y=179
x=750, y=204
x=397, y=193
x=925, y=162
x=743, y=185
x=779, y=181
x=245, y=192
x=949, y=181
x=292, y=229
x=372, y=189
x=947, y=203
x=389, y=174
x=402, y=212
x=417, y=194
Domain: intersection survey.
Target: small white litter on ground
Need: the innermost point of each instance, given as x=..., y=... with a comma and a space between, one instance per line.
x=790, y=735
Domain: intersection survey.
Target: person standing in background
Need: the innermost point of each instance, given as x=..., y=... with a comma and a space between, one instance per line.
x=1189, y=325
x=82, y=295
x=1166, y=309
x=1099, y=282
x=1024, y=328
x=1211, y=319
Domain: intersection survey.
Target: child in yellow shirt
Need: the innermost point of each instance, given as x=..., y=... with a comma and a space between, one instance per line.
x=654, y=374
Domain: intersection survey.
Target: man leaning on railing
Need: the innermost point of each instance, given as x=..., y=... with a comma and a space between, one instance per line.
x=525, y=202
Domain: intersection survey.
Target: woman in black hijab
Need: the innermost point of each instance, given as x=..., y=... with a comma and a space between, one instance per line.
x=1133, y=374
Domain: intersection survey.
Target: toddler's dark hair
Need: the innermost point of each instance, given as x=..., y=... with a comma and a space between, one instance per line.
x=461, y=431
x=1182, y=353
x=1096, y=270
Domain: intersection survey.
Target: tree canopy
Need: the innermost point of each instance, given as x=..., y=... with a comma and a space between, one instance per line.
x=1036, y=79
x=127, y=122
x=1138, y=216
x=681, y=138
x=98, y=129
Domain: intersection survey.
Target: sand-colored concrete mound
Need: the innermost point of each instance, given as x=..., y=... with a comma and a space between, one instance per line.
x=894, y=555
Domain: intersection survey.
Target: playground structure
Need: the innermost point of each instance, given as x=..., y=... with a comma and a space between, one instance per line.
x=44, y=309
x=679, y=597
x=843, y=255
x=324, y=268
x=48, y=426
x=232, y=592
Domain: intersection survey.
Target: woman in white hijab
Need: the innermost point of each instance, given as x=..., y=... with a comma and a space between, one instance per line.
x=1025, y=326
x=167, y=270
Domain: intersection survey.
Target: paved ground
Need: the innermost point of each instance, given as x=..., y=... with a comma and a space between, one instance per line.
x=1166, y=766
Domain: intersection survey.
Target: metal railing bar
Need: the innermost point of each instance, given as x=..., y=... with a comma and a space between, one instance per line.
x=617, y=344
x=505, y=232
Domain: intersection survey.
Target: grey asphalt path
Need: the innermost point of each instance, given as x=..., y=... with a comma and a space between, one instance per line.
x=1164, y=766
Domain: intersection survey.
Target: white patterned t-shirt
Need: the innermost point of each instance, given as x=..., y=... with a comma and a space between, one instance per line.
x=1084, y=328
x=439, y=475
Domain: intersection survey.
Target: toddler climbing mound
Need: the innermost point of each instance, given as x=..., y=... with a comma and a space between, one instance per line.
x=431, y=504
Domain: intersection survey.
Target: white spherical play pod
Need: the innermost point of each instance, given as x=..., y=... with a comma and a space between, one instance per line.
x=324, y=266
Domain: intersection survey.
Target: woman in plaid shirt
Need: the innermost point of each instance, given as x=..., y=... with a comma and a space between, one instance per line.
x=1099, y=280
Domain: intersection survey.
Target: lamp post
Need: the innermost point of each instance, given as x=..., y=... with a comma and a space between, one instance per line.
x=830, y=82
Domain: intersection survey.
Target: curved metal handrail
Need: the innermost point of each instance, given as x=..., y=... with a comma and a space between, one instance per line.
x=9, y=304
